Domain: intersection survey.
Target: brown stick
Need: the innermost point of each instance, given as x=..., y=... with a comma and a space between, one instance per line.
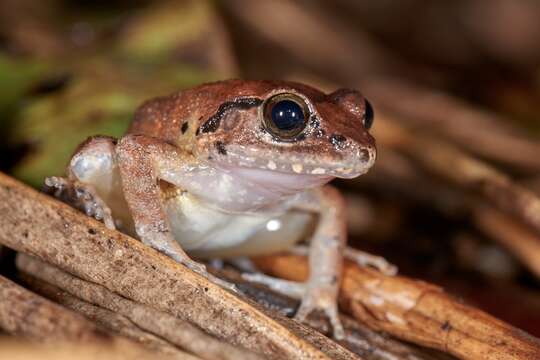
x=481, y=132
x=517, y=238
x=39, y=225
x=27, y=314
x=463, y=170
x=418, y=312
x=397, y=172
x=23, y=313
x=359, y=338
x=108, y=319
x=23, y=350
x=174, y=330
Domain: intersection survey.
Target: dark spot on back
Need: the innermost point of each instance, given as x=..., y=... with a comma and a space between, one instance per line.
x=212, y=124
x=338, y=141
x=184, y=128
x=220, y=147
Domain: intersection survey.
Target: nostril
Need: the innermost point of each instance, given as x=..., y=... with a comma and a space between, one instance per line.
x=365, y=155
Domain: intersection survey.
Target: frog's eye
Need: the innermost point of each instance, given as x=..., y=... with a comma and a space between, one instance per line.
x=285, y=115
x=368, y=115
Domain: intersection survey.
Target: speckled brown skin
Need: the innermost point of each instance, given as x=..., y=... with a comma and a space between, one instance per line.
x=216, y=134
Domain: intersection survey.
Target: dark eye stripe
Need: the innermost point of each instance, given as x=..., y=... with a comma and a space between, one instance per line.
x=212, y=124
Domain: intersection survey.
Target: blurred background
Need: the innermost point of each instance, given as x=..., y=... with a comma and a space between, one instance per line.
x=453, y=198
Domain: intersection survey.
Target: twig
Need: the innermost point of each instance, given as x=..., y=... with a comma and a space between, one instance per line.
x=516, y=237
x=108, y=319
x=362, y=340
x=36, y=224
x=15, y=349
x=462, y=170
x=25, y=313
x=396, y=172
x=170, y=328
x=418, y=312
x=482, y=132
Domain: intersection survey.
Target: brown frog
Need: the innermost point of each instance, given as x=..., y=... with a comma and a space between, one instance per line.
x=235, y=168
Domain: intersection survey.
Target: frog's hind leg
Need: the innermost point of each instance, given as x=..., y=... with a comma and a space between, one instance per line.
x=91, y=179
x=326, y=252
x=320, y=291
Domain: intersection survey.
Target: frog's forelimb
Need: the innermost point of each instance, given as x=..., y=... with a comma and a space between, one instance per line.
x=137, y=156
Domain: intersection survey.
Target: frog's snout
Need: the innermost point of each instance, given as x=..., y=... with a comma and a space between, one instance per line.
x=356, y=163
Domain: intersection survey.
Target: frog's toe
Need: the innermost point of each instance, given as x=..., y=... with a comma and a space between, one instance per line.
x=321, y=299
x=365, y=259
x=317, y=298
x=80, y=196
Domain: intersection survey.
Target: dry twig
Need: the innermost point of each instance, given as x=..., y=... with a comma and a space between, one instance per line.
x=110, y=320
x=361, y=340
x=25, y=313
x=370, y=344
x=166, y=326
x=462, y=170
x=418, y=312
x=517, y=238
x=24, y=350
x=482, y=133
x=401, y=174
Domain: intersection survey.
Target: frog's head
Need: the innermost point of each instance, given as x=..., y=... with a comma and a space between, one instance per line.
x=287, y=128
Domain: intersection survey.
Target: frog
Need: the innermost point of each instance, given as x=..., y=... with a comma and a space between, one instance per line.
x=234, y=169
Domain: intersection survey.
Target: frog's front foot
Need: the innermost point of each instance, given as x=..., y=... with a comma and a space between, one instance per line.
x=313, y=297
x=81, y=196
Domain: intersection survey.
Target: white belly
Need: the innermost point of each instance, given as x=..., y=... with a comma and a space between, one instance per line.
x=206, y=232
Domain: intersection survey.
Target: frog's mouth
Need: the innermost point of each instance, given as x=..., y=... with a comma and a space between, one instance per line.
x=298, y=169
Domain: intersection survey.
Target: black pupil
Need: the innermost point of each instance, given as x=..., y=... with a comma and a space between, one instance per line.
x=287, y=115
x=368, y=116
